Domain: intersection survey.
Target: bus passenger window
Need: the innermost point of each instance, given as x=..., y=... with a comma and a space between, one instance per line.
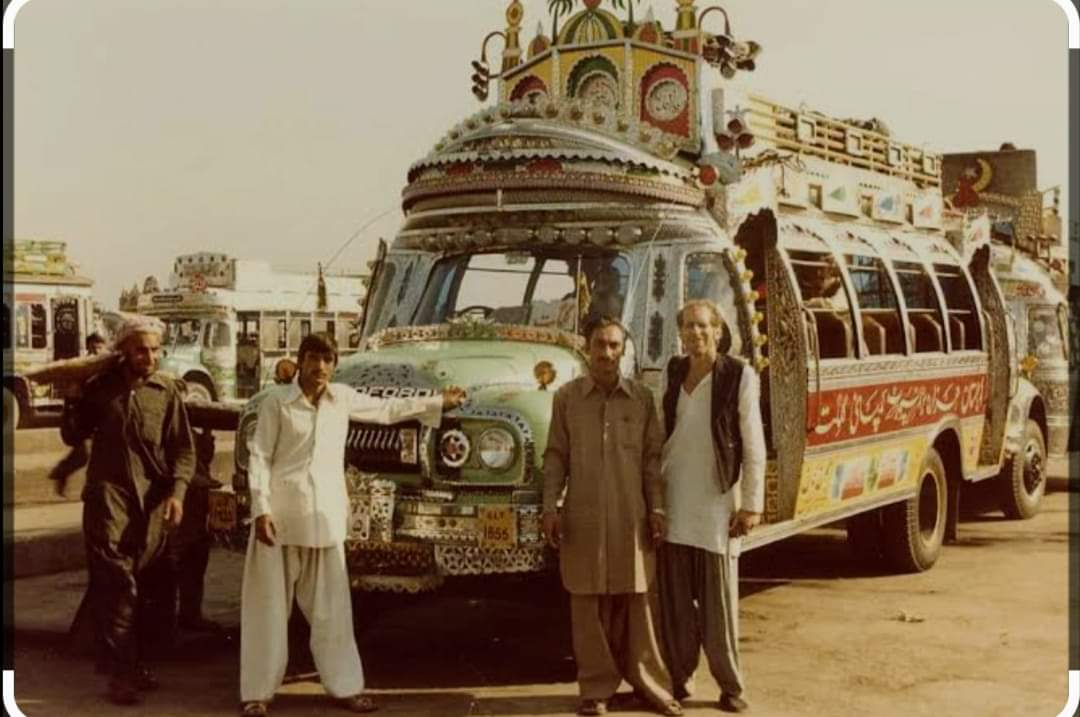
x=924, y=313
x=282, y=333
x=964, y=325
x=882, y=325
x=823, y=293
x=38, y=333
x=22, y=326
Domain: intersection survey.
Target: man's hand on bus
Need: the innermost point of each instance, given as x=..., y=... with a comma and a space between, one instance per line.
x=452, y=397
x=742, y=523
x=174, y=513
x=265, y=532
x=552, y=528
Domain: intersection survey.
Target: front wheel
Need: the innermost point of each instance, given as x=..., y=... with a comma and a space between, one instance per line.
x=915, y=529
x=12, y=410
x=198, y=389
x=1022, y=481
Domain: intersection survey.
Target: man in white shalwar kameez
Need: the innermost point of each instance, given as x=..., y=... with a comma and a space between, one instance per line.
x=300, y=505
x=715, y=444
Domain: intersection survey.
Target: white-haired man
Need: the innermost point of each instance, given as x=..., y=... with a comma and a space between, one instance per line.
x=715, y=441
x=141, y=462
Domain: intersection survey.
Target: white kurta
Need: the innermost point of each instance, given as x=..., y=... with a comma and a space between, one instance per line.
x=297, y=467
x=698, y=512
x=297, y=477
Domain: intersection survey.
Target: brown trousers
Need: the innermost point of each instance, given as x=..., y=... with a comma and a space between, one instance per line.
x=614, y=639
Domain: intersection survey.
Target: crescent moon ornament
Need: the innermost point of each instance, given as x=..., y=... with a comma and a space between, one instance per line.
x=986, y=175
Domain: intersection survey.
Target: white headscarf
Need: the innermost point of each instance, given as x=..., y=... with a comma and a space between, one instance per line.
x=138, y=325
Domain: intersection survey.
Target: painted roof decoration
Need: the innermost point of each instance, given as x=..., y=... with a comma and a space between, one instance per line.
x=605, y=63
x=43, y=261
x=608, y=104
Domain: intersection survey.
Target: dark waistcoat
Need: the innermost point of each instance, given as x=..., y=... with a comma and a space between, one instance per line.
x=727, y=438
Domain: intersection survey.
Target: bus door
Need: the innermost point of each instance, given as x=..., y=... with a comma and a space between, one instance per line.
x=248, y=355
x=65, y=321
x=1000, y=345
x=788, y=381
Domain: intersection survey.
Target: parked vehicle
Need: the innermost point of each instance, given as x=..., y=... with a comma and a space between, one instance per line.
x=230, y=321
x=615, y=175
x=49, y=316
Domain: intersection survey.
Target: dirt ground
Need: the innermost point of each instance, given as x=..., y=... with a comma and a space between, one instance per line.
x=982, y=633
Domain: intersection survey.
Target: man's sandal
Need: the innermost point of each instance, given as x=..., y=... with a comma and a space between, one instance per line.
x=253, y=709
x=357, y=703
x=591, y=707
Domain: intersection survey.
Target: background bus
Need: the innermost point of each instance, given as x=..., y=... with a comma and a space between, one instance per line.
x=230, y=321
x=48, y=313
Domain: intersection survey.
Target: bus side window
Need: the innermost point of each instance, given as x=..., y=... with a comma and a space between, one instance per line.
x=282, y=333
x=823, y=293
x=964, y=324
x=22, y=326
x=38, y=327
x=882, y=325
x=924, y=313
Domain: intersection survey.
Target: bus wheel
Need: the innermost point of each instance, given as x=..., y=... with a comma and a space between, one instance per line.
x=198, y=389
x=1022, y=481
x=915, y=529
x=12, y=410
x=865, y=536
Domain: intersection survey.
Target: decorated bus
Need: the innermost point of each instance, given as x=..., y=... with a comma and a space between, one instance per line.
x=230, y=322
x=620, y=171
x=48, y=314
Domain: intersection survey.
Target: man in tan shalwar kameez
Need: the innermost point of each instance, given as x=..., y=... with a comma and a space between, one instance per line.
x=604, y=449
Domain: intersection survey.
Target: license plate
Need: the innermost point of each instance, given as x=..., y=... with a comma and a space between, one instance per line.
x=222, y=513
x=498, y=527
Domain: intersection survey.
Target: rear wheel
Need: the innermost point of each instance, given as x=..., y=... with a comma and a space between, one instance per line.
x=1022, y=482
x=915, y=529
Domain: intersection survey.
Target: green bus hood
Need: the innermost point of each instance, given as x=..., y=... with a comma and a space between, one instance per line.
x=489, y=369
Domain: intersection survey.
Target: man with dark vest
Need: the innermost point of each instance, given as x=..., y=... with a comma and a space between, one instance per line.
x=714, y=442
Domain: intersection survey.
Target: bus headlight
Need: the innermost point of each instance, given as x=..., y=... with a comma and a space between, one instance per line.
x=496, y=448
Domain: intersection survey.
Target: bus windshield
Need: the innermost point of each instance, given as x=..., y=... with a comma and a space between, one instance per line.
x=182, y=332
x=534, y=288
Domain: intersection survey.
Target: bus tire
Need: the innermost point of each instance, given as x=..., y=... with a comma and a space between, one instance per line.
x=865, y=536
x=914, y=529
x=198, y=389
x=1022, y=481
x=12, y=410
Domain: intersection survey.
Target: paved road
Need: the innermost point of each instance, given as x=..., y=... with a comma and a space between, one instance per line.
x=982, y=633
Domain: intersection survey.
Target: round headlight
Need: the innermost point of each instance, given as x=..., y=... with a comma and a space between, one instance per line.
x=496, y=448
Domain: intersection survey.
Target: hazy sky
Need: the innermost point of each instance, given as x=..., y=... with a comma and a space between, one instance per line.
x=276, y=128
